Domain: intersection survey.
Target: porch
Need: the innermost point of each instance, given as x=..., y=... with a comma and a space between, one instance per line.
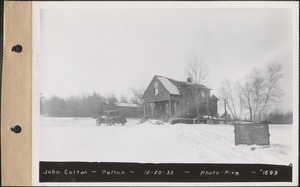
x=161, y=109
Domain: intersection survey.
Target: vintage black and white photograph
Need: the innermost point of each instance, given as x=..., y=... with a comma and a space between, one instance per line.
x=165, y=83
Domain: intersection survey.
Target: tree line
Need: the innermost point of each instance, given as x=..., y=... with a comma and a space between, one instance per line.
x=277, y=116
x=86, y=105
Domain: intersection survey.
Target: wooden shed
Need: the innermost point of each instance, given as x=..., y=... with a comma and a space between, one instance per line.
x=128, y=110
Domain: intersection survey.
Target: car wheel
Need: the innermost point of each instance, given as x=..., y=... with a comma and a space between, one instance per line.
x=98, y=122
x=112, y=122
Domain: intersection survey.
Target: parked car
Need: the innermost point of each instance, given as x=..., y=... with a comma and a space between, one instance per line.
x=111, y=117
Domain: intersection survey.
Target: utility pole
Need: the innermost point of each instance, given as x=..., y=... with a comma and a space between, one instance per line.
x=225, y=113
x=207, y=100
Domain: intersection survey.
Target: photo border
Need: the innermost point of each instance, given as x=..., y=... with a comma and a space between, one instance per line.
x=178, y=4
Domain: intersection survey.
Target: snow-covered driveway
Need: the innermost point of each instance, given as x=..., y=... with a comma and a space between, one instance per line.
x=79, y=139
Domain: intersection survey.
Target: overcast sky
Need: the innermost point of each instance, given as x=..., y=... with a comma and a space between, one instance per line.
x=111, y=50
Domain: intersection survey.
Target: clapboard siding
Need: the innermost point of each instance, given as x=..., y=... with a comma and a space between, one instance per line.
x=181, y=105
x=162, y=95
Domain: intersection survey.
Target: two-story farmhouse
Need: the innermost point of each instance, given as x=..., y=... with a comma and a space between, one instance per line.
x=168, y=98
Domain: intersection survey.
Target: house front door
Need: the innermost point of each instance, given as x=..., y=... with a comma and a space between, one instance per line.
x=161, y=111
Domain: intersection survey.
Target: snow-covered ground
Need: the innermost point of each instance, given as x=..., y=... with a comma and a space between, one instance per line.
x=80, y=139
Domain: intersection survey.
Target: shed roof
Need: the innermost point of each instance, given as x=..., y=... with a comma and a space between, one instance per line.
x=126, y=104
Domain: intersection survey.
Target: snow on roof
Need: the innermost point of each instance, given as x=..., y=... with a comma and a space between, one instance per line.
x=126, y=104
x=172, y=89
x=193, y=84
x=188, y=83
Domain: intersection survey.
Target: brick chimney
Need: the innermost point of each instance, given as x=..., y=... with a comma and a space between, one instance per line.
x=189, y=79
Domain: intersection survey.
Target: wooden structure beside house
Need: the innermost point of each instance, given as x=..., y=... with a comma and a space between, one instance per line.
x=128, y=110
x=168, y=98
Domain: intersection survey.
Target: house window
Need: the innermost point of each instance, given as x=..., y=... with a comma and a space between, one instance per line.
x=156, y=88
x=167, y=108
x=174, y=108
x=202, y=93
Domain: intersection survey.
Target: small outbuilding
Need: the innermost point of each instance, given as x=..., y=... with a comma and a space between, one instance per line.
x=128, y=110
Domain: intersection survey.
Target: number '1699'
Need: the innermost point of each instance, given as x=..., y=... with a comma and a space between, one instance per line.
x=269, y=172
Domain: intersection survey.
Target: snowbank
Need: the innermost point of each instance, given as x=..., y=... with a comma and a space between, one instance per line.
x=154, y=122
x=68, y=139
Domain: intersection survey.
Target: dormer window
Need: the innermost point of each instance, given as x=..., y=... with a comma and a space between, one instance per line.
x=202, y=93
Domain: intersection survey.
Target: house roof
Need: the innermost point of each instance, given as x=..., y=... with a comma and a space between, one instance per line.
x=172, y=89
x=180, y=82
x=126, y=104
x=190, y=84
x=170, y=85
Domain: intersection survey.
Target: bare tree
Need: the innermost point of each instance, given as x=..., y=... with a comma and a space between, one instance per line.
x=137, y=93
x=246, y=93
x=229, y=95
x=257, y=93
x=123, y=99
x=273, y=91
x=195, y=69
x=260, y=91
x=111, y=99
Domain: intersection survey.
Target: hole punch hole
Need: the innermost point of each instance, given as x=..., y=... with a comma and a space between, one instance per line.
x=17, y=48
x=16, y=129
